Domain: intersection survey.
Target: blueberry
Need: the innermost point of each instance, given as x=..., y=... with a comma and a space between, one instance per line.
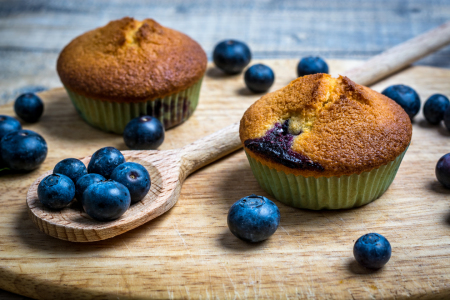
x=253, y=218
x=23, y=150
x=144, y=133
x=259, y=78
x=56, y=191
x=106, y=200
x=372, y=250
x=84, y=182
x=443, y=170
x=311, y=65
x=29, y=107
x=231, y=56
x=72, y=168
x=8, y=124
x=104, y=161
x=435, y=107
x=135, y=177
x=406, y=97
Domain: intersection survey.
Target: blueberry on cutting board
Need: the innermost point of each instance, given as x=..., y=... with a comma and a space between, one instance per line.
x=443, y=170
x=259, y=78
x=231, y=56
x=311, y=65
x=144, y=133
x=104, y=161
x=56, y=191
x=23, y=150
x=253, y=218
x=29, y=107
x=372, y=251
x=435, y=107
x=406, y=97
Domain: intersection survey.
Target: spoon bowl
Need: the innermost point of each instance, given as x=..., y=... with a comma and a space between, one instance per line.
x=167, y=169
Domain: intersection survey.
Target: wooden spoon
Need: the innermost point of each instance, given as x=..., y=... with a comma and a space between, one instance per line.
x=169, y=169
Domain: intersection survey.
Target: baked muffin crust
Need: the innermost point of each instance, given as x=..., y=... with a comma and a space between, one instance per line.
x=343, y=127
x=131, y=61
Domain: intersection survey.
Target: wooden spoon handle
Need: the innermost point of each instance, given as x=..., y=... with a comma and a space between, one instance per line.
x=210, y=148
x=400, y=56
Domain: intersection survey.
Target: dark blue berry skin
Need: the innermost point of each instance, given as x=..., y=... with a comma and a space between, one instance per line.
x=84, y=182
x=8, y=124
x=447, y=118
x=253, y=218
x=259, y=78
x=72, y=168
x=372, y=250
x=135, y=178
x=29, y=107
x=435, y=107
x=104, y=161
x=144, y=133
x=23, y=150
x=106, y=200
x=231, y=56
x=443, y=170
x=406, y=97
x=311, y=65
x=56, y=191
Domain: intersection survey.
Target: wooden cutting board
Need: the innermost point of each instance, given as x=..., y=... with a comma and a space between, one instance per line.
x=189, y=251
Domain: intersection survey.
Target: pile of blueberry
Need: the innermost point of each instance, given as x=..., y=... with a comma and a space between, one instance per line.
x=22, y=150
x=105, y=189
x=144, y=133
x=233, y=56
x=253, y=218
x=29, y=107
x=372, y=251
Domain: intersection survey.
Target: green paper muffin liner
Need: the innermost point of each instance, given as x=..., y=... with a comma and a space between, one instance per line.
x=114, y=116
x=326, y=192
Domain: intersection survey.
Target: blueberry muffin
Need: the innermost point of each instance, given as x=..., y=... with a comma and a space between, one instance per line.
x=325, y=143
x=130, y=68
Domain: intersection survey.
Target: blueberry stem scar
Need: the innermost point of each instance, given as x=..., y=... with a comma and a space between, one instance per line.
x=276, y=145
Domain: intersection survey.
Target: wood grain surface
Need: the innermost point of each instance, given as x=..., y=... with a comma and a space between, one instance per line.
x=189, y=252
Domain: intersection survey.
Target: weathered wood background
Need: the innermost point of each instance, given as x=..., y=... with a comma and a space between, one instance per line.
x=34, y=31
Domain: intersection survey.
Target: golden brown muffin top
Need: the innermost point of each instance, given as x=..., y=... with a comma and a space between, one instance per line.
x=332, y=126
x=131, y=61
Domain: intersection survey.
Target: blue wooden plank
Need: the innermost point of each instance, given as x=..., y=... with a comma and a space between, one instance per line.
x=273, y=29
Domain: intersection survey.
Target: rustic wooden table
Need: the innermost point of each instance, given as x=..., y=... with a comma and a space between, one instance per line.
x=34, y=31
